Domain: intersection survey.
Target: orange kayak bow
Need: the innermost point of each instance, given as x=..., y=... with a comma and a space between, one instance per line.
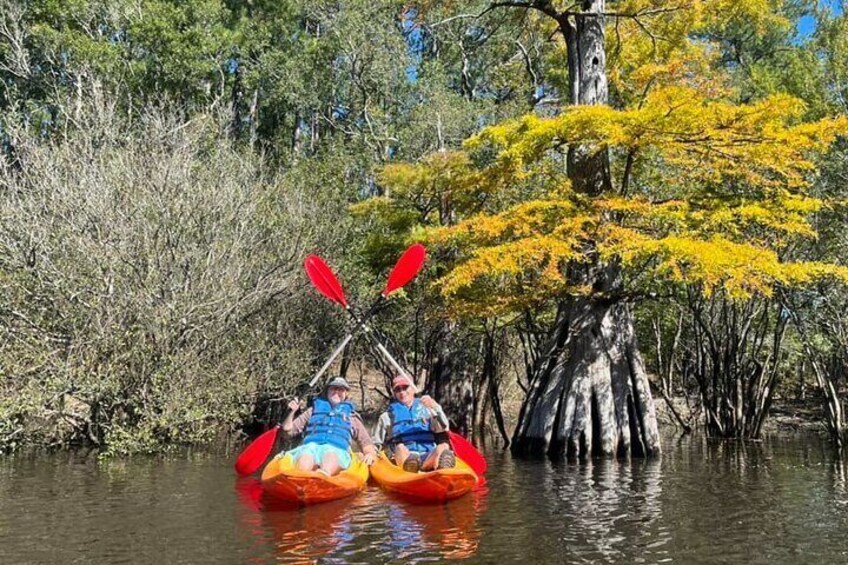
x=283, y=481
x=430, y=486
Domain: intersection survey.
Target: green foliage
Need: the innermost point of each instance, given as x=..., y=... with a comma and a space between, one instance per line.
x=139, y=323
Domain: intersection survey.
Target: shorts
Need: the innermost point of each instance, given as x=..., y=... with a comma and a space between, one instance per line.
x=318, y=450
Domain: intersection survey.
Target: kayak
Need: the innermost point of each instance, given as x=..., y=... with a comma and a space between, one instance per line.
x=281, y=480
x=425, y=486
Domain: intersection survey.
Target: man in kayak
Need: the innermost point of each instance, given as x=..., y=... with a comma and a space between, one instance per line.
x=409, y=427
x=330, y=425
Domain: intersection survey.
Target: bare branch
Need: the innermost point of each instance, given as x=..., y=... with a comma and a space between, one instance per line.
x=13, y=33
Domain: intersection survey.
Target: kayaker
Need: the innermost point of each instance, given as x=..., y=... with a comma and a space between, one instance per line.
x=408, y=429
x=331, y=424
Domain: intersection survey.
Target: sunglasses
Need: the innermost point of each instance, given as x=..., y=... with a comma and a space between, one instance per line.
x=400, y=388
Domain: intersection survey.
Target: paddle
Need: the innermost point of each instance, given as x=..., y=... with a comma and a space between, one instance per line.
x=407, y=267
x=468, y=453
x=255, y=454
x=325, y=281
x=461, y=446
x=404, y=271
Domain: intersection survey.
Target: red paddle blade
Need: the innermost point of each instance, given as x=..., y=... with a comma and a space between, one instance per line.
x=255, y=454
x=468, y=453
x=324, y=280
x=406, y=268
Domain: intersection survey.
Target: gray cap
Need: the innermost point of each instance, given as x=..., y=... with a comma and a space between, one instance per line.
x=340, y=382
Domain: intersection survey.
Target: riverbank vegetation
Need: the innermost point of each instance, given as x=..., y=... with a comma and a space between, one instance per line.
x=673, y=232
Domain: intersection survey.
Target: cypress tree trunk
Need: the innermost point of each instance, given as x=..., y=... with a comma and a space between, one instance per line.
x=448, y=379
x=589, y=392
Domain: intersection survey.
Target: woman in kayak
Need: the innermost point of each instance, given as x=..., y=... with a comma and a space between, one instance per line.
x=330, y=425
x=409, y=427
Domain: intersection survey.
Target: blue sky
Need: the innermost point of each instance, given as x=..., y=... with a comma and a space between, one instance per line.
x=807, y=25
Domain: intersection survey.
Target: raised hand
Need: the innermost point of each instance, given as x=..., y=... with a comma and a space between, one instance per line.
x=428, y=402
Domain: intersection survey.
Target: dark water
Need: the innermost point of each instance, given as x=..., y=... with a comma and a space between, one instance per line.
x=779, y=501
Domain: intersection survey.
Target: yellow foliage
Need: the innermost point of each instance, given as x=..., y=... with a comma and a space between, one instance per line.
x=527, y=219
x=695, y=139
x=510, y=275
x=517, y=257
x=710, y=192
x=656, y=49
x=740, y=269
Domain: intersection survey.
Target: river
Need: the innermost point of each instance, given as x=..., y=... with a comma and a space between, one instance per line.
x=782, y=500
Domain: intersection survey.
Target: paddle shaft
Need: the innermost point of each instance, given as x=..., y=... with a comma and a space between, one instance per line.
x=329, y=361
x=382, y=349
x=360, y=324
x=385, y=352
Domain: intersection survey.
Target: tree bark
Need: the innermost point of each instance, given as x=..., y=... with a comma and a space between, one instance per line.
x=589, y=394
x=494, y=394
x=592, y=397
x=449, y=382
x=487, y=404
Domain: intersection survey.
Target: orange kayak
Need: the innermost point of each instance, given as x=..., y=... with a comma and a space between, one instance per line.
x=431, y=486
x=283, y=481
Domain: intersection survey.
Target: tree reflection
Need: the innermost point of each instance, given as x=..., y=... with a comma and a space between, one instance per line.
x=603, y=508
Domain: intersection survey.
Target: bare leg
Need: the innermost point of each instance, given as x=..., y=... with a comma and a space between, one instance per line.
x=330, y=464
x=401, y=454
x=432, y=460
x=305, y=462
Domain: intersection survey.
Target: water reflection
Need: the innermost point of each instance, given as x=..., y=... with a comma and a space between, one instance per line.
x=606, y=508
x=249, y=492
x=304, y=535
x=780, y=501
x=371, y=526
x=839, y=478
x=449, y=529
x=291, y=534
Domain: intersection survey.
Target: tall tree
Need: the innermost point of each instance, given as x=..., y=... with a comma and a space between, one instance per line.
x=591, y=209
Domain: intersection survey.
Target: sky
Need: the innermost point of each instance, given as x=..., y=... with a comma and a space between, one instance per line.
x=807, y=24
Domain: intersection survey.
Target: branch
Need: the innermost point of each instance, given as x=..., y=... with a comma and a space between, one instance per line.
x=640, y=13
x=460, y=17
x=14, y=33
x=528, y=63
x=543, y=6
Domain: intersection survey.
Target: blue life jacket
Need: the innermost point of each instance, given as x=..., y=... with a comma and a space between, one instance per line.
x=330, y=424
x=411, y=426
